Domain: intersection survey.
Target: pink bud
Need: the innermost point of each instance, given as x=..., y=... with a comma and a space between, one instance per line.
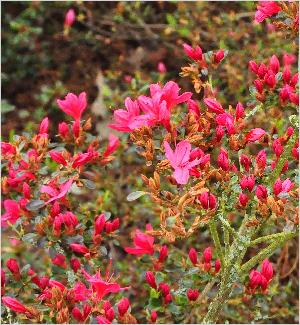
x=58, y=157
x=59, y=260
x=161, y=68
x=261, y=192
x=63, y=129
x=14, y=305
x=13, y=266
x=193, y=256
x=193, y=107
x=217, y=265
x=247, y=182
x=274, y=64
x=267, y=269
x=277, y=147
x=76, y=128
x=239, y=111
x=207, y=254
x=110, y=314
x=255, y=279
x=253, y=66
x=214, y=105
x=219, y=56
x=289, y=59
x=223, y=160
x=258, y=85
x=167, y=299
x=294, y=80
x=99, y=224
x=123, y=306
x=286, y=75
x=106, y=305
x=69, y=18
x=164, y=289
x=75, y=264
x=26, y=190
x=243, y=199
x=270, y=79
x=219, y=132
x=163, y=253
x=255, y=134
x=192, y=294
x=78, y=248
x=262, y=70
x=245, y=162
x=261, y=159
x=193, y=53
x=150, y=278
x=153, y=316
x=207, y=200
x=44, y=126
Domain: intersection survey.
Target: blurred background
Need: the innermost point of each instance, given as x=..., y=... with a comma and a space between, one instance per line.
x=112, y=51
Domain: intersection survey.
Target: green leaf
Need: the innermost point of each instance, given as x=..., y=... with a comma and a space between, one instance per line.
x=35, y=205
x=135, y=195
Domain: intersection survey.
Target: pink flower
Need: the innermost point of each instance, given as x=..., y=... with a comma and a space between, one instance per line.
x=277, y=147
x=217, y=265
x=7, y=148
x=253, y=66
x=130, y=119
x=239, y=111
x=243, y=199
x=68, y=219
x=258, y=85
x=180, y=160
x=12, y=213
x=170, y=94
x=255, y=134
x=80, y=291
x=73, y=105
x=99, y=224
x=207, y=254
x=245, y=162
x=193, y=256
x=55, y=193
x=81, y=316
x=100, y=286
x=69, y=18
x=163, y=253
x=113, y=144
x=266, y=9
x=214, y=105
x=63, y=129
x=13, y=266
x=44, y=126
x=82, y=159
x=255, y=279
x=14, y=305
x=261, y=159
x=143, y=244
x=75, y=264
x=192, y=294
x=226, y=120
x=161, y=68
x=288, y=59
x=102, y=320
x=153, y=316
x=270, y=79
x=193, y=107
x=194, y=53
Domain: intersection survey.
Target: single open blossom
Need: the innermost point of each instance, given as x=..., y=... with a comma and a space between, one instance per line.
x=70, y=18
x=113, y=144
x=102, y=287
x=12, y=212
x=266, y=9
x=55, y=193
x=214, y=105
x=194, y=53
x=73, y=105
x=129, y=119
x=255, y=134
x=180, y=160
x=143, y=244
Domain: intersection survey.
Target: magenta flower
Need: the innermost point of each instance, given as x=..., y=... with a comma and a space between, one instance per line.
x=161, y=68
x=266, y=9
x=214, y=106
x=113, y=144
x=193, y=53
x=73, y=105
x=14, y=305
x=12, y=213
x=180, y=160
x=143, y=244
x=130, y=119
x=55, y=193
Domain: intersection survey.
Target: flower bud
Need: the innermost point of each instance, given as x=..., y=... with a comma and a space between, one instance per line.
x=150, y=278
x=247, y=182
x=167, y=299
x=239, y=111
x=243, y=199
x=255, y=279
x=163, y=253
x=153, y=316
x=58, y=157
x=274, y=64
x=99, y=224
x=161, y=68
x=258, y=85
x=207, y=200
x=59, y=260
x=193, y=53
x=245, y=162
x=78, y=248
x=193, y=256
x=214, y=106
x=110, y=314
x=219, y=56
x=262, y=70
x=277, y=147
x=286, y=75
x=164, y=288
x=75, y=264
x=255, y=134
x=14, y=305
x=13, y=266
x=261, y=192
x=69, y=18
x=267, y=269
x=192, y=294
x=207, y=254
x=217, y=265
x=261, y=159
x=123, y=306
x=44, y=126
x=253, y=66
x=63, y=129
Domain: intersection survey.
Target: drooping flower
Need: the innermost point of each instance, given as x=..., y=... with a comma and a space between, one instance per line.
x=143, y=244
x=55, y=193
x=73, y=105
x=113, y=144
x=180, y=160
x=266, y=9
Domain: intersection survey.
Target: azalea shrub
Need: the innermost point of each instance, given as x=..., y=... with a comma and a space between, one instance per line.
x=215, y=202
